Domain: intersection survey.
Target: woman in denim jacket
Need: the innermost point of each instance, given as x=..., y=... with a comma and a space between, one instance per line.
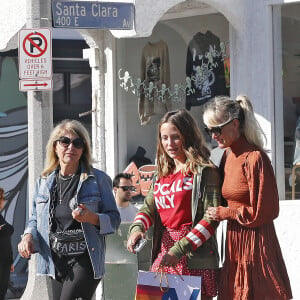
x=73, y=210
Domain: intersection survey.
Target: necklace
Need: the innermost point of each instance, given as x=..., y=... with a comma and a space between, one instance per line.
x=61, y=193
x=65, y=178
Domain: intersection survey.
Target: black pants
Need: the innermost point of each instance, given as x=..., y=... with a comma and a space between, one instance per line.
x=4, y=278
x=79, y=283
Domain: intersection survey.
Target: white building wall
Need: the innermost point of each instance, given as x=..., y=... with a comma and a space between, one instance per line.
x=12, y=19
x=287, y=227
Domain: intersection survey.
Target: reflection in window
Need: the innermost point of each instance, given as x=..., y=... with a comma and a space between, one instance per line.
x=291, y=97
x=72, y=96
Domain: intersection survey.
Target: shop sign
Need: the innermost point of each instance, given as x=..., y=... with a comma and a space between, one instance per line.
x=91, y=14
x=35, y=53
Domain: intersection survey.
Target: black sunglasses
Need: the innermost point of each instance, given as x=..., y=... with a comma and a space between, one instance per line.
x=64, y=141
x=216, y=130
x=126, y=188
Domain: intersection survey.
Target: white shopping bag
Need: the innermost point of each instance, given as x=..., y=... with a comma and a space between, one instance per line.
x=156, y=286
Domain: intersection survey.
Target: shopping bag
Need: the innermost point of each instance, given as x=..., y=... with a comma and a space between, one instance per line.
x=161, y=286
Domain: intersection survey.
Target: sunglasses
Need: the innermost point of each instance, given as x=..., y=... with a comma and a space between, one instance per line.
x=64, y=141
x=216, y=130
x=126, y=188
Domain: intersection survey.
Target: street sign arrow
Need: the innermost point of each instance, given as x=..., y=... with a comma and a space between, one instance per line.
x=35, y=85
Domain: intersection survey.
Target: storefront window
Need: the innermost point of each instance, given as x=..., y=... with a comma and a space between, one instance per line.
x=290, y=34
x=72, y=97
x=183, y=64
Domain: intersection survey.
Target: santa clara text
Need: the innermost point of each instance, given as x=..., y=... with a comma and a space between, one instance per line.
x=78, y=10
x=91, y=14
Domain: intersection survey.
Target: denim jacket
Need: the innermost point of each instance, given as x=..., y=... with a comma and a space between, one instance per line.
x=95, y=192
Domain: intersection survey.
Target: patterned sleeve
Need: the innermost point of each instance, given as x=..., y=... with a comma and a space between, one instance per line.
x=144, y=218
x=204, y=229
x=264, y=200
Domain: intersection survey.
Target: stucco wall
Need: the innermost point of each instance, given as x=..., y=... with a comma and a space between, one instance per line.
x=287, y=228
x=12, y=19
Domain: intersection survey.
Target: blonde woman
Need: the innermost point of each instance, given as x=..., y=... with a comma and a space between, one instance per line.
x=73, y=210
x=254, y=267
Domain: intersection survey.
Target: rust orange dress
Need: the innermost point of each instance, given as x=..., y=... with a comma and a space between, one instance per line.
x=254, y=268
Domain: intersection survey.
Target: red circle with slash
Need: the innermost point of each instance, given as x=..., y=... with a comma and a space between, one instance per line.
x=29, y=39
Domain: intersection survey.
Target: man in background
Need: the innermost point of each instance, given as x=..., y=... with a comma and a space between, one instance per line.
x=122, y=186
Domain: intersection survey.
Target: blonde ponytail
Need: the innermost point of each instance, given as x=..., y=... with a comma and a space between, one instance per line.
x=221, y=109
x=251, y=128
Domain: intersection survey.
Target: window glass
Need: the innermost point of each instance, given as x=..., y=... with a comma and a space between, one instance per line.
x=290, y=23
x=72, y=92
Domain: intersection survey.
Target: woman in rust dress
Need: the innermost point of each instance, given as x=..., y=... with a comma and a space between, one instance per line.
x=254, y=267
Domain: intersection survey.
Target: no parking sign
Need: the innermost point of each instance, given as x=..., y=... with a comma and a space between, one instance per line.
x=35, y=53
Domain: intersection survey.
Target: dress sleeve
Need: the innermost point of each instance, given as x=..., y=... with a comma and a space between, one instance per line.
x=264, y=201
x=204, y=228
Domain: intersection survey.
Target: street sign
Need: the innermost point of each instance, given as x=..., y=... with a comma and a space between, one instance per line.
x=35, y=53
x=91, y=14
x=35, y=85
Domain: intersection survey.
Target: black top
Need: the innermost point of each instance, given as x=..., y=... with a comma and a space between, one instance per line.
x=207, y=75
x=63, y=202
x=64, y=195
x=6, y=232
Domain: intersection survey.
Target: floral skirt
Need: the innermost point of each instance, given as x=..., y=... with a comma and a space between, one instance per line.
x=208, y=276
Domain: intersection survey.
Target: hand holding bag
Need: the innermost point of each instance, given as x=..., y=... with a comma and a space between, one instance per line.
x=156, y=286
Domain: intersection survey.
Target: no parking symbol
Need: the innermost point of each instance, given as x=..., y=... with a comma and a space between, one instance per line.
x=35, y=53
x=35, y=44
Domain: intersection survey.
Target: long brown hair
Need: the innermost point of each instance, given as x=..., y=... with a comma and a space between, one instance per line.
x=194, y=146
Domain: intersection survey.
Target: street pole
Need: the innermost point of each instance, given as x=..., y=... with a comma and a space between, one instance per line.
x=40, y=123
